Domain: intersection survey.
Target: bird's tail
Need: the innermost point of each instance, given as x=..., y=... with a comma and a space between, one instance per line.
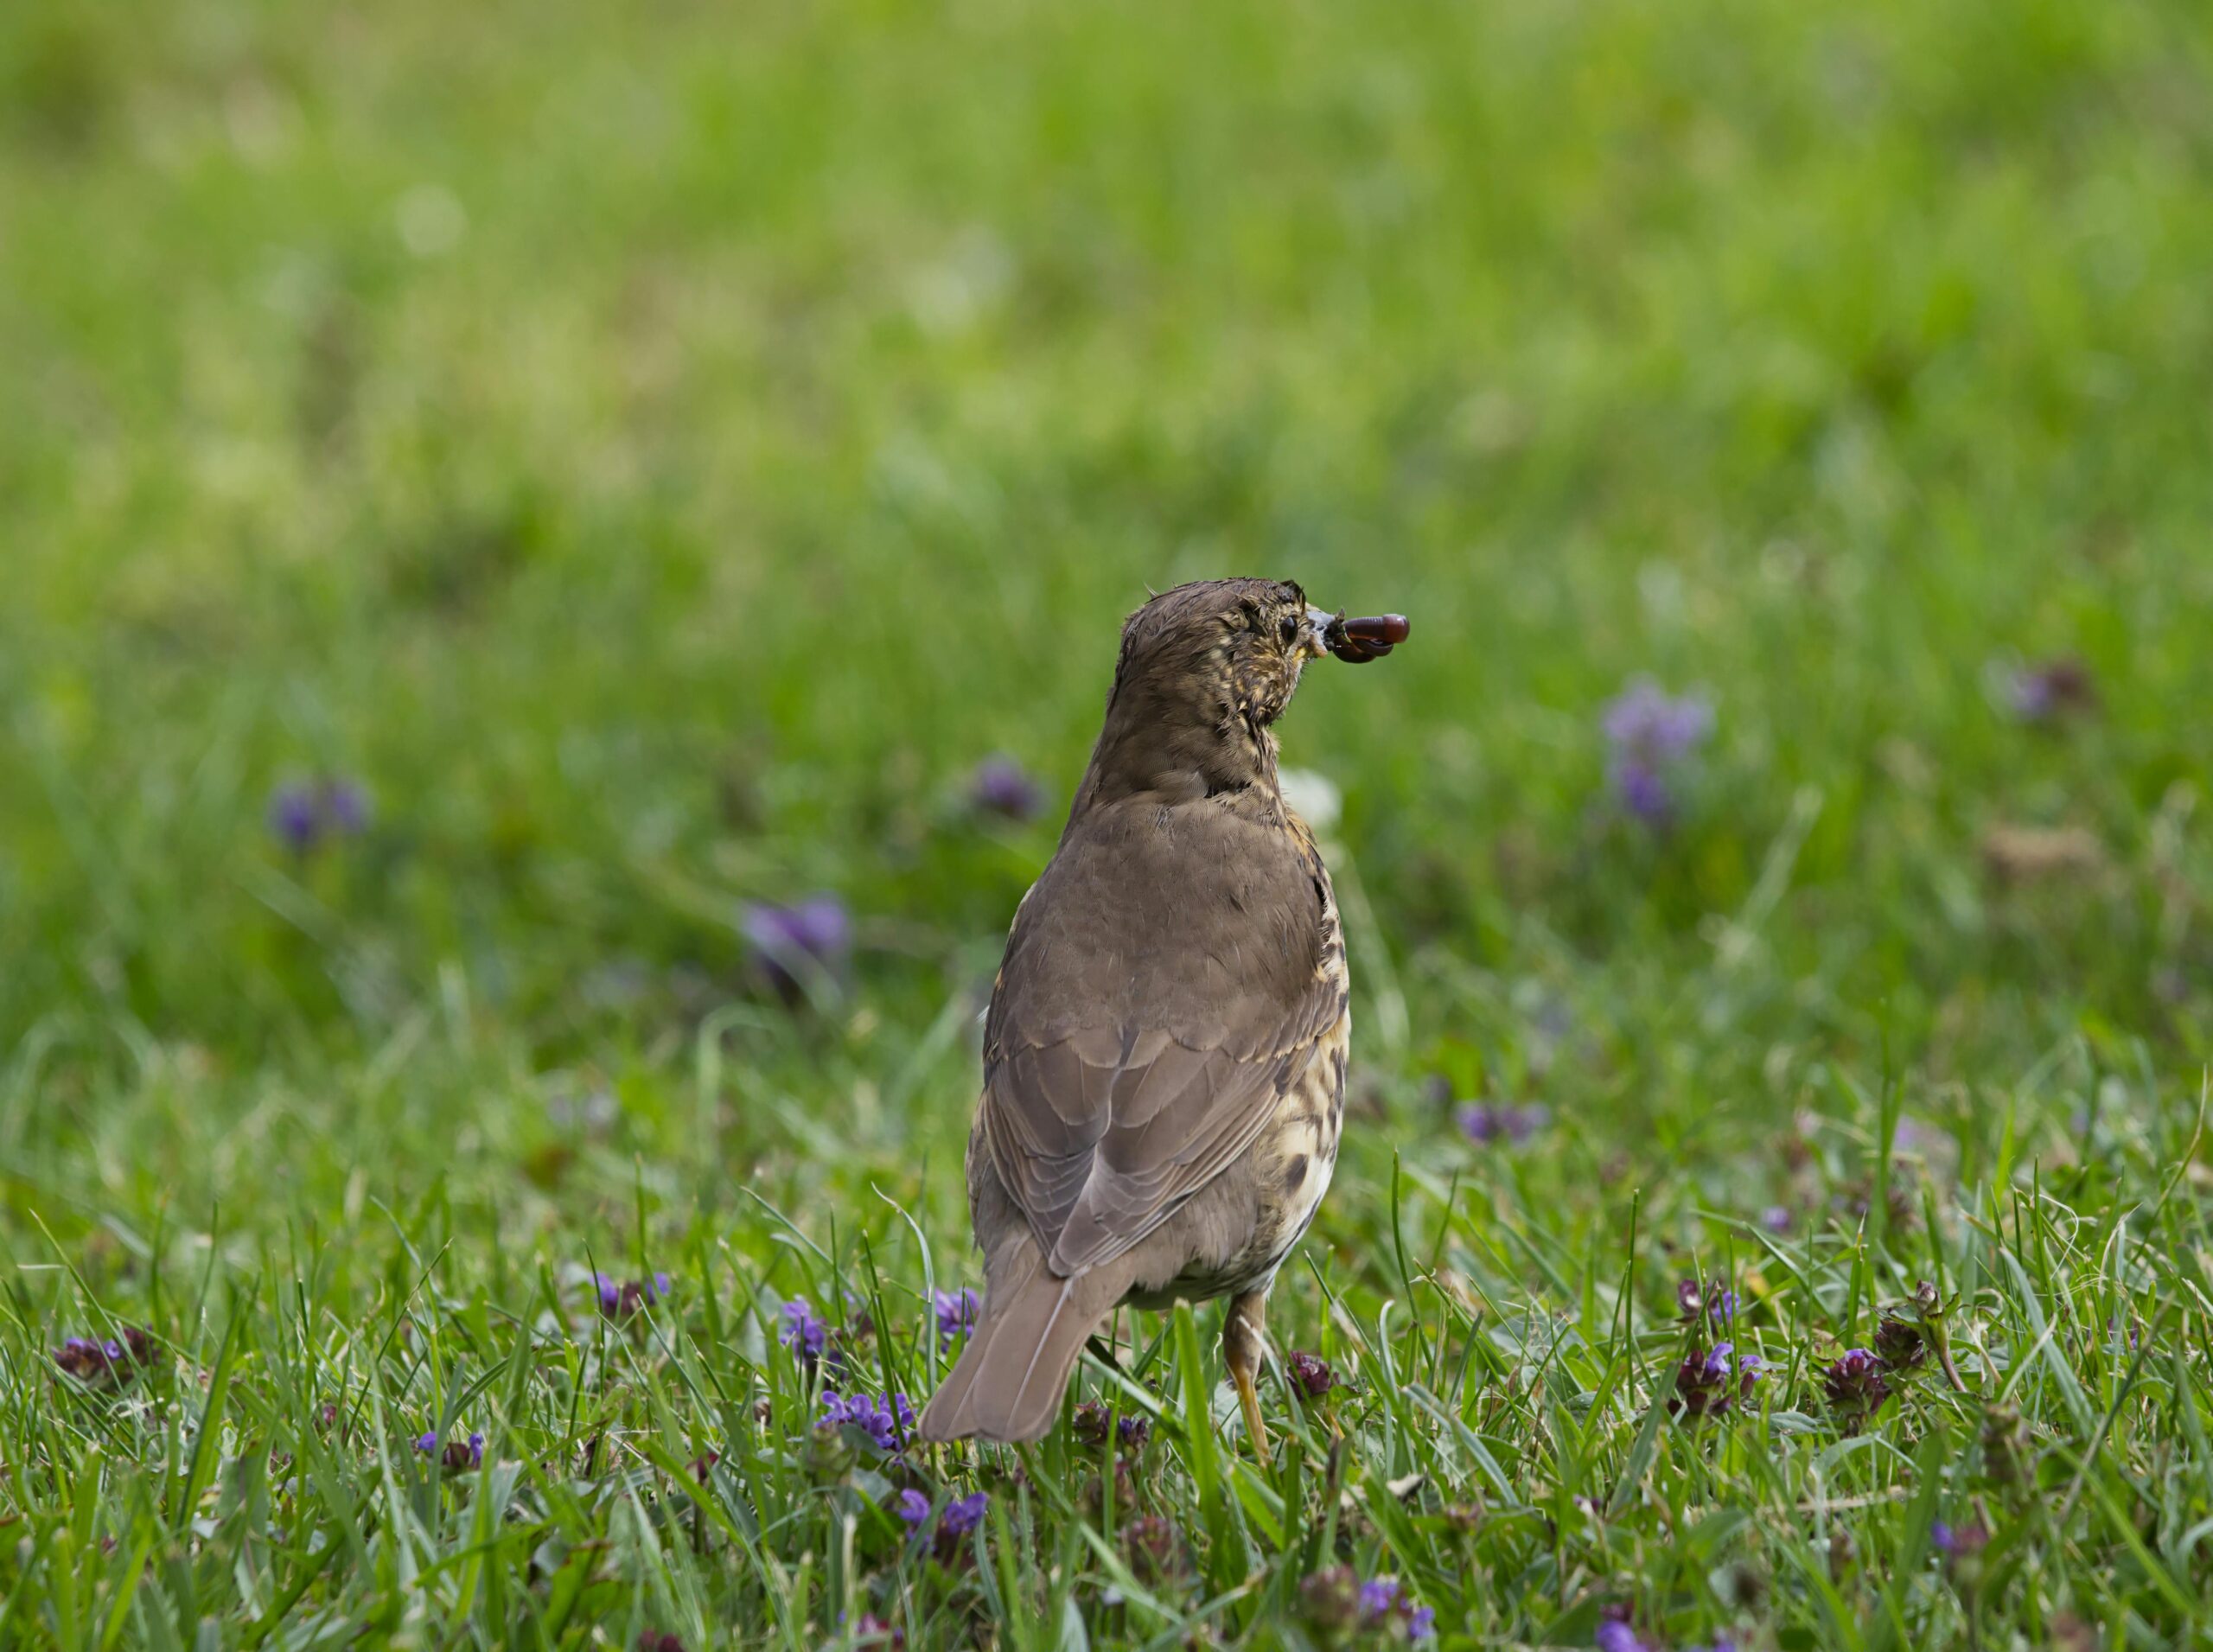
x=1008, y=1383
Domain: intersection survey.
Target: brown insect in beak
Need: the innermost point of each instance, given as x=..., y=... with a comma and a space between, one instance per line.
x=1356, y=641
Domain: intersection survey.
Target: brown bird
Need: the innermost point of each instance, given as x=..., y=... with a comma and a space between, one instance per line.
x=1164, y=1057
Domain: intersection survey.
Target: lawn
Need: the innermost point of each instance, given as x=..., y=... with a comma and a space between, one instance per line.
x=500, y=504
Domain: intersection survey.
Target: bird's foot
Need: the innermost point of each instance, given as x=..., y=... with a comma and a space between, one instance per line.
x=1241, y=1333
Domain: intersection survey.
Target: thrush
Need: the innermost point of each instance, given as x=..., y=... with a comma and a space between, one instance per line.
x=1164, y=1055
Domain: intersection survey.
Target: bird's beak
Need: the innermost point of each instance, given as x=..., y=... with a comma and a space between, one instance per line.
x=1356, y=641
x=1318, y=622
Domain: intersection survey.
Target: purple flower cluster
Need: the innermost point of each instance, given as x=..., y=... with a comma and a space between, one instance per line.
x=1003, y=787
x=887, y=1422
x=1485, y=1122
x=964, y=1515
x=1716, y=1301
x=620, y=1299
x=1130, y=1429
x=958, y=1518
x=1382, y=1602
x=1650, y=735
x=302, y=814
x=1336, y=1600
x=1616, y=1633
x=795, y=947
x=1309, y=1373
x=1855, y=1387
x=957, y=1313
x=2048, y=691
x=1958, y=1542
x=803, y=1330
x=107, y=1362
x=1709, y=1381
x=458, y=1454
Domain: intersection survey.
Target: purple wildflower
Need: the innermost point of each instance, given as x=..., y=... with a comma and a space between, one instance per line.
x=1643, y=790
x=1615, y=1634
x=1956, y=1540
x=1709, y=1382
x=301, y=814
x=1485, y=1122
x=621, y=1298
x=957, y=1312
x=1716, y=1300
x=886, y=1422
x=346, y=807
x=108, y=1362
x=1650, y=733
x=804, y=1331
x=1001, y=786
x=1645, y=718
x=798, y=945
x=963, y=1515
x=912, y=1507
x=1335, y=1600
x=1776, y=1218
x=458, y=1455
x=294, y=818
x=1090, y=1427
x=1309, y=1373
x=872, y=1630
x=1961, y=1547
x=2053, y=689
x=1854, y=1387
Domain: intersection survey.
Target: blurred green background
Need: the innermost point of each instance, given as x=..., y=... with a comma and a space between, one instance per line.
x=656, y=451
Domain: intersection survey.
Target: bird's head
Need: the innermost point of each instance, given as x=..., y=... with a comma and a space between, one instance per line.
x=1205, y=670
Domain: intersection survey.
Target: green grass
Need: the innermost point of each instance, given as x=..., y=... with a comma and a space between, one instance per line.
x=659, y=450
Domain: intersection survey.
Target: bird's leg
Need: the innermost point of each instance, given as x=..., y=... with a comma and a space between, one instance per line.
x=1242, y=1328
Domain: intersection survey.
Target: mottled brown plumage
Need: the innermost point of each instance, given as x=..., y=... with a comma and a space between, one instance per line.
x=1164, y=1057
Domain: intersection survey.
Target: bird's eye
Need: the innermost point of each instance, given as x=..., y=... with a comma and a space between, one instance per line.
x=1287, y=628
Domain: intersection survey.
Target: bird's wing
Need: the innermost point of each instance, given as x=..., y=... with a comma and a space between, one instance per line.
x=1167, y=980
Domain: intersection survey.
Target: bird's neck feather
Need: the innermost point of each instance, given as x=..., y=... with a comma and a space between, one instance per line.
x=1178, y=749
